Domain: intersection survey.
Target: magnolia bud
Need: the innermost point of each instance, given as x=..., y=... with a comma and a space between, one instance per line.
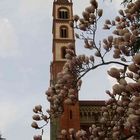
x=38, y=108
x=106, y=27
x=107, y=21
x=91, y=58
x=113, y=23
x=71, y=24
x=34, y=110
x=36, y=117
x=77, y=35
x=100, y=12
x=132, y=67
x=121, y=12
x=34, y=125
x=97, y=53
x=105, y=41
x=110, y=38
x=117, y=18
x=76, y=18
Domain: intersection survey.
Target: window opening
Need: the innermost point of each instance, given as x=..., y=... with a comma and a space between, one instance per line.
x=70, y=114
x=64, y=32
x=63, y=52
x=63, y=14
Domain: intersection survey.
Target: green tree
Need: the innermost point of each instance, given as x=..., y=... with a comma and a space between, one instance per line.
x=121, y=116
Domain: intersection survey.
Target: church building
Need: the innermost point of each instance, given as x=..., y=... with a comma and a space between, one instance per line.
x=83, y=113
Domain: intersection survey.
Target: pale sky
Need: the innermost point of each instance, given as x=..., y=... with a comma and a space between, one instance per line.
x=25, y=56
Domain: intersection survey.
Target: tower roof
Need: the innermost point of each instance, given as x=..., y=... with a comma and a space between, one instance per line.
x=63, y=1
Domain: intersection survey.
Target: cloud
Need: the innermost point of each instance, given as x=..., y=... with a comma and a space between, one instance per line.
x=8, y=39
x=115, y=4
x=8, y=114
x=32, y=7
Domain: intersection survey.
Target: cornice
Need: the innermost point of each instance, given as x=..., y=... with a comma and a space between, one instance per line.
x=62, y=20
x=64, y=2
x=63, y=40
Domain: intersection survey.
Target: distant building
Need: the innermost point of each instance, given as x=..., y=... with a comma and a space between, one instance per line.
x=84, y=113
x=2, y=138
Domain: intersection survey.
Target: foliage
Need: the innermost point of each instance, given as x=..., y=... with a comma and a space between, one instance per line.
x=121, y=116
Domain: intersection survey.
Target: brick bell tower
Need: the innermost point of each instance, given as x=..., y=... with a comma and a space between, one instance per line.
x=62, y=35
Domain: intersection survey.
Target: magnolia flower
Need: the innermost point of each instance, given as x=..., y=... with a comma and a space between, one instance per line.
x=122, y=81
x=85, y=14
x=78, y=134
x=68, y=56
x=39, y=137
x=71, y=130
x=118, y=89
x=127, y=36
x=82, y=27
x=114, y=72
x=133, y=119
x=132, y=67
x=136, y=59
x=70, y=46
x=117, y=52
x=120, y=110
x=90, y=9
x=105, y=114
x=92, y=16
x=116, y=32
x=115, y=135
x=64, y=132
x=103, y=120
x=68, y=101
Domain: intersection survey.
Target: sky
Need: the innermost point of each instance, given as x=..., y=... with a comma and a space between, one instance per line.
x=25, y=56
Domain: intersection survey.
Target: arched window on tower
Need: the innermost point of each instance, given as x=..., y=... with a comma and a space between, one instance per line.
x=63, y=13
x=63, y=52
x=63, y=32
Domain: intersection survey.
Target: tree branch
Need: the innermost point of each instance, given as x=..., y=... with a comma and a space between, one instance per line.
x=102, y=64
